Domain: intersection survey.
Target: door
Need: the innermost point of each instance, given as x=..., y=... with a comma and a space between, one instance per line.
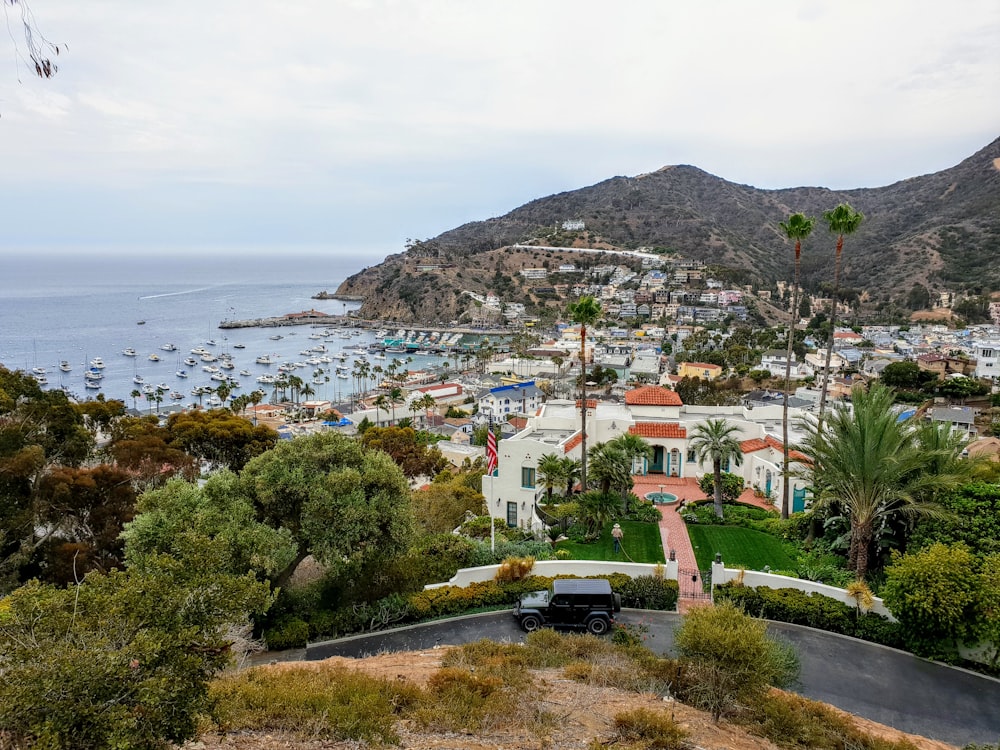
x=798, y=499
x=657, y=465
x=767, y=484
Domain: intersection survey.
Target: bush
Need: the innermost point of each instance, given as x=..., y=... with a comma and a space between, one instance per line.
x=290, y=633
x=653, y=729
x=650, y=592
x=813, y=610
x=514, y=569
x=643, y=511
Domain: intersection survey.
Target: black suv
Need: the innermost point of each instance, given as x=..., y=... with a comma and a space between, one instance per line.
x=572, y=603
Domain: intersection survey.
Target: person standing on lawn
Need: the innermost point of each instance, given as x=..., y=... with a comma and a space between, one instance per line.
x=617, y=534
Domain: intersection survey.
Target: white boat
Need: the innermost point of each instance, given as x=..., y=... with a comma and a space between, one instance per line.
x=38, y=370
x=40, y=379
x=65, y=366
x=176, y=395
x=219, y=377
x=148, y=389
x=138, y=380
x=154, y=357
x=93, y=374
x=266, y=379
x=128, y=352
x=276, y=337
x=181, y=373
x=245, y=373
x=239, y=346
x=209, y=357
x=210, y=368
x=93, y=384
x=317, y=381
x=228, y=365
x=210, y=342
x=264, y=360
x=214, y=400
x=342, y=375
x=97, y=362
x=162, y=387
x=169, y=348
x=190, y=361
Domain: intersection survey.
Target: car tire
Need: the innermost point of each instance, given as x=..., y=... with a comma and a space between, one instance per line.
x=531, y=623
x=598, y=626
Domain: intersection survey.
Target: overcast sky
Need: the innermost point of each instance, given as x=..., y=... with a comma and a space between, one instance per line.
x=355, y=124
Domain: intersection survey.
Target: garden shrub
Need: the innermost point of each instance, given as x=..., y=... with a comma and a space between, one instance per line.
x=290, y=633
x=650, y=592
x=643, y=511
x=514, y=569
x=655, y=730
x=810, y=609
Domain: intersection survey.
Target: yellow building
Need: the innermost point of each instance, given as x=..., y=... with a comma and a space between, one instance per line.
x=702, y=370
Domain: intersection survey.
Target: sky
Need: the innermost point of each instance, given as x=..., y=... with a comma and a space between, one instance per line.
x=353, y=125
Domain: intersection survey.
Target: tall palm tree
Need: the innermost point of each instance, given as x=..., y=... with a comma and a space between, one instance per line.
x=715, y=440
x=634, y=447
x=797, y=228
x=872, y=468
x=255, y=398
x=842, y=220
x=550, y=474
x=585, y=312
x=396, y=396
x=135, y=394
x=381, y=402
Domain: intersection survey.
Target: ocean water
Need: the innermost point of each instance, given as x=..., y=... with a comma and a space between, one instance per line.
x=74, y=308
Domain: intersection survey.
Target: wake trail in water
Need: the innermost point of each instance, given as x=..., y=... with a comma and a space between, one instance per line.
x=176, y=294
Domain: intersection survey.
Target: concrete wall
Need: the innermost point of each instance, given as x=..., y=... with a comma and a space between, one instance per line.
x=552, y=568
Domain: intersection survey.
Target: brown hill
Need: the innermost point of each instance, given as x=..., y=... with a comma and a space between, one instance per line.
x=941, y=230
x=586, y=717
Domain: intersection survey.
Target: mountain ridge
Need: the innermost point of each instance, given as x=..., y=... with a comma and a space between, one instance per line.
x=941, y=230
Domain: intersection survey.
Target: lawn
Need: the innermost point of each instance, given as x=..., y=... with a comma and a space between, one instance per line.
x=642, y=542
x=740, y=547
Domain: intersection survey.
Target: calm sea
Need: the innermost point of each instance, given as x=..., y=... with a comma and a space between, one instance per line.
x=74, y=308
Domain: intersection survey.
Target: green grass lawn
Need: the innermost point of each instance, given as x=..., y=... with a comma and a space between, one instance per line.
x=739, y=547
x=641, y=541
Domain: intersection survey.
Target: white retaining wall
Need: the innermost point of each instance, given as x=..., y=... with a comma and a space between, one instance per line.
x=552, y=568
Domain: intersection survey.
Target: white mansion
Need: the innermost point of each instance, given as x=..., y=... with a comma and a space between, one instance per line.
x=656, y=414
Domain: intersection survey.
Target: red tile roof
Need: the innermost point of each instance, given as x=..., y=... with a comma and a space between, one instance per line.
x=653, y=395
x=759, y=444
x=591, y=403
x=658, y=430
x=573, y=442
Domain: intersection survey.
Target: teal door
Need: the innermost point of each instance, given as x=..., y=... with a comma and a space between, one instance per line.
x=657, y=465
x=799, y=500
x=767, y=485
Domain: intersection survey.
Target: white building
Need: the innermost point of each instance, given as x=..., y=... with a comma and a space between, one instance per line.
x=774, y=362
x=654, y=413
x=987, y=354
x=520, y=398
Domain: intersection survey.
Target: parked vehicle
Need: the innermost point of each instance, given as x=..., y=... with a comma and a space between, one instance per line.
x=573, y=603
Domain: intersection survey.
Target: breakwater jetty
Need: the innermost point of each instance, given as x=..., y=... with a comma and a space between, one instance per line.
x=316, y=318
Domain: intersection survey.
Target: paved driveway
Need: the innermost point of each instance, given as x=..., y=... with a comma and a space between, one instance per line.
x=872, y=681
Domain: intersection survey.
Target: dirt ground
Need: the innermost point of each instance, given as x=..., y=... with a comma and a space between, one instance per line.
x=586, y=712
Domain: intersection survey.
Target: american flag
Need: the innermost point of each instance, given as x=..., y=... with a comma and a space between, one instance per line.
x=491, y=449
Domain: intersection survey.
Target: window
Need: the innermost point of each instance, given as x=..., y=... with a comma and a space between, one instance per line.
x=527, y=477
x=512, y=514
x=987, y=353
x=725, y=465
x=691, y=456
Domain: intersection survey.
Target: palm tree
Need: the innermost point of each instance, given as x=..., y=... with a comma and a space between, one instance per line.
x=396, y=396
x=381, y=402
x=135, y=394
x=715, y=440
x=224, y=390
x=597, y=509
x=550, y=474
x=872, y=468
x=797, y=228
x=634, y=446
x=585, y=312
x=842, y=220
x=611, y=466
x=570, y=472
x=255, y=398
x=427, y=402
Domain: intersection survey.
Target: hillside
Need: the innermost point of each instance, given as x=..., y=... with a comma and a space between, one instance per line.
x=941, y=230
x=585, y=713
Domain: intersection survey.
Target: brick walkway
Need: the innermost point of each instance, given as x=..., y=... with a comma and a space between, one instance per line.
x=673, y=530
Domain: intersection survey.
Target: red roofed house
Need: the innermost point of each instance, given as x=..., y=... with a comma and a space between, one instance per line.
x=763, y=459
x=654, y=401
x=669, y=443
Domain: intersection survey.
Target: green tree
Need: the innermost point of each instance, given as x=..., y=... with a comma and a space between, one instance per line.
x=797, y=228
x=441, y=506
x=973, y=520
x=571, y=471
x=905, y=376
x=550, y=474
x=843, y=220
x=212, y=527
x=596, y=509
x=869, y=467
x=584, y=312
x=120, y=661
x=732, y=486
x=339, y=501
x=934, y=594
x=219, y=436
x=610, y=467
x=402, y=444
x=716, y=440
x=732, y=661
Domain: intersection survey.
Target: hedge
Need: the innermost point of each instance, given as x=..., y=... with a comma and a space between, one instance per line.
x=811, y=609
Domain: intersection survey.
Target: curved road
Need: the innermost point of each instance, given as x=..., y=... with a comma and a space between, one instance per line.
x=878, y=683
